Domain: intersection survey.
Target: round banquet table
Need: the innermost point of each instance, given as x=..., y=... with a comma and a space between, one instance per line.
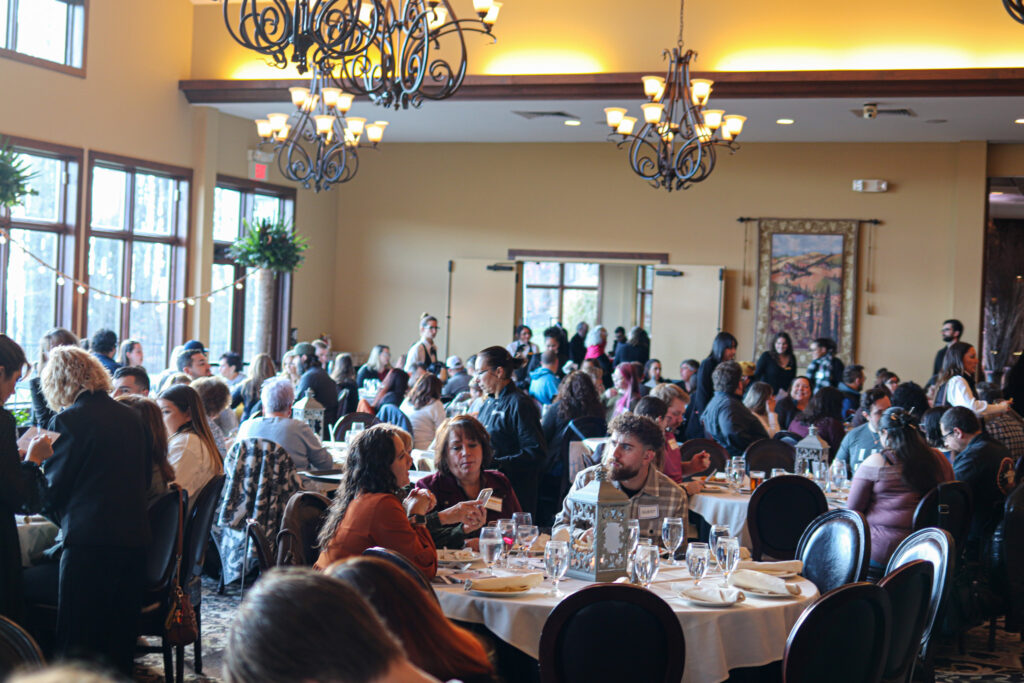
x=751, y=633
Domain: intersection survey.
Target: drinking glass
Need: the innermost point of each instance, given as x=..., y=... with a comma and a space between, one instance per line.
x=756, y=479
x=556, y=562
x=507, y=529
x=698, y=555
x=728, y=555
x=491, y=545
x=520, y=518
x=840, y=477
x=646, y=564
x=734, y=472
x=672, y=537
x=803, y=467
x=717, y=531
x=526, y=534
x=820, y=472
x=779, y=471
x=633, y=525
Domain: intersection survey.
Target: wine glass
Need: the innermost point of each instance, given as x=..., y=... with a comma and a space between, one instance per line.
x=717, y=531
x=556, y=562
x=491, y=545
x=672, y=537
x=728, y=555
x=646, y=563
x=697, y=558
x=507, y=529
x=633, y=527
x=526, y=534
x=521, y=518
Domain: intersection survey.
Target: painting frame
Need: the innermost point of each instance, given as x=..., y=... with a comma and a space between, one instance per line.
x=772, y=310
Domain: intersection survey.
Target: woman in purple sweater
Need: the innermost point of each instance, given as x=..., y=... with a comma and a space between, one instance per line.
x=888, y=486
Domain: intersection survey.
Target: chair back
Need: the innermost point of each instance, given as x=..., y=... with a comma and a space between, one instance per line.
x=764, y=455
x=392, y=414
x=576, y=431
x=835, y=549
x=17, y=649
x=344, y=396
x=606, y=618
x=910, y=590
x=297, y=541
x=1013, y=552
x=343, y=424
x=197, y=530
x=719, y=456
x=936, y=547
x=400, y=561
x=265, y=555
x=778, y=512
x=948, y=506
x=792, y=438
x=162, y=555
x=841, y=638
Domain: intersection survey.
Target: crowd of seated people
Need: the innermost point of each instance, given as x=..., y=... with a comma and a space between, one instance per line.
x=503, y=421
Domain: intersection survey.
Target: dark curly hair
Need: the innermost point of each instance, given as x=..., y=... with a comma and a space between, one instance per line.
x=577, y=397
x=469, y=428
x=644, y=429
x=367, y=470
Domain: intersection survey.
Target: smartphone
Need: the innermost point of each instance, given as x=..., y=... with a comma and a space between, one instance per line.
x=485, y=495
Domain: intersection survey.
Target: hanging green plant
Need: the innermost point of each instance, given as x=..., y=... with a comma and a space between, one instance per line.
x=271, y=245
x=14, y=176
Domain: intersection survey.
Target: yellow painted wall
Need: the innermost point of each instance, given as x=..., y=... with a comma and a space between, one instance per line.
x=416, y=206
x=535, y=36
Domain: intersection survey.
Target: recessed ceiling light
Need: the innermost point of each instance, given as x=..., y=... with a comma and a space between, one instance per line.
x=571, y=122
x=994, y=194
x=1019, y=121
x=785, y=122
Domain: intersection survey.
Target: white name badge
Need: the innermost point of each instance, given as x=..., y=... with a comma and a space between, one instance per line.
x=647, y=512
x=672, y=443
x=493, y=503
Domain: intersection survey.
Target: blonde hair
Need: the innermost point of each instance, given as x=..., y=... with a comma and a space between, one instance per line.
x=68, y=372
x=667, y=392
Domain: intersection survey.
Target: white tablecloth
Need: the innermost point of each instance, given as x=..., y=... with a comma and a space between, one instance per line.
x=752, y=633
x=34, y=536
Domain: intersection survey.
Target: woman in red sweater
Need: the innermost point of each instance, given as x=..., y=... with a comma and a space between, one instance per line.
x=368, y=511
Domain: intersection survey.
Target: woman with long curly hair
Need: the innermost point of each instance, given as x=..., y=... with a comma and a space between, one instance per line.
x=368, y=510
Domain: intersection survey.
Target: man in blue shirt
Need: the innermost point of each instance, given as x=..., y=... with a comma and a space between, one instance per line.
x=544, y=380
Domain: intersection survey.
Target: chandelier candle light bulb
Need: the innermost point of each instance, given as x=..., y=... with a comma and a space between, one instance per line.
x=701, y=89
x=654, y=87
x=652, y=111
x=626, y=125
x=613, y=115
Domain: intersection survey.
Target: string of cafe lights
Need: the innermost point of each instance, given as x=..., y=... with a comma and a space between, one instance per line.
x=85, y=288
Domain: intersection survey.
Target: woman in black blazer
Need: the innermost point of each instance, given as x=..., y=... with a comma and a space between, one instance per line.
x=96, y=489
x=723, y=348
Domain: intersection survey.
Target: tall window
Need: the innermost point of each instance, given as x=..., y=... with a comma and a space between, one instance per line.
x=43, y=225
x=552, y=291
x=644, y=296
x=138, y=222
x=236, y=202
x=48, y=32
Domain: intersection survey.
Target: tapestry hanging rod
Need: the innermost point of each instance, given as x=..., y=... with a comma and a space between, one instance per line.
x=870, y=221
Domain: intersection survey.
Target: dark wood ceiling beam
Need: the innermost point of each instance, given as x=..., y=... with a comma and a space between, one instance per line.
x=728, y=85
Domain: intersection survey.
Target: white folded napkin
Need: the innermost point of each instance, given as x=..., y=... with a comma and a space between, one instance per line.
x=783, y=567
x=745, y=553
x=562, y=535
x=714, y=594
x=540, y=543
x=756, y=581
x=506, y=584
x=456, y=555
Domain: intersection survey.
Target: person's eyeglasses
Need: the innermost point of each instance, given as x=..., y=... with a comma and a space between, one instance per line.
x=432, y=327
x=946, y=435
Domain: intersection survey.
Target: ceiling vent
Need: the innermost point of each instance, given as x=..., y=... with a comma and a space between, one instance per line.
x=871, y=111
x=545, y=115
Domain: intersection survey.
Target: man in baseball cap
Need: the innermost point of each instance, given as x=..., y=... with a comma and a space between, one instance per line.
x=458, y=378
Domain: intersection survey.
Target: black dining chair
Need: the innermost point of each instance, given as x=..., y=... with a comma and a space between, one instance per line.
x=1013, y=556
x=778, y=512
x=297, y=543
x=841, y=638
x=345, y=422
x=18, y=650
x=719, y=456
x=764, y=455
x=403, y=563
x=937, y=547
x=835, y=549
x=588, y=625
x=948, y=506
x=910, y=590
x=790, y=438
x=266, y=551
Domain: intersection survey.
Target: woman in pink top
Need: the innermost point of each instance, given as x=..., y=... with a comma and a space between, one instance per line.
x=888, y=486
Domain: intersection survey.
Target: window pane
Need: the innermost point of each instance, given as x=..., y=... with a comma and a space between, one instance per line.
x=31, y=299
x=42, y=29
x=154, y=204
x=536, y=273
x=579, y=305
x=581, y=274
x=249, y=315
x=46, y=180
x=540, y=308
x=649, y=277
x=648, y=307
x=265, y=208
x=3, y=24
x=151, y=280
x=227, y=214
x=105, y=272
x=221, y=311
x=108, y=198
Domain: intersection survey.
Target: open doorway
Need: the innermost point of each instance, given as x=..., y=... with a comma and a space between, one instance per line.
x=1003, y=336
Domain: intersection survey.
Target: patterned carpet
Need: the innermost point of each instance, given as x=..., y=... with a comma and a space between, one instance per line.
x=976, y=665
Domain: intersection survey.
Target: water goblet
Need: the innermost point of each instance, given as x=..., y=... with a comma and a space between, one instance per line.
x=728, y=555
x=717, y=531
x=556, y=562
x=507, y=529
x=779, y=471
x=697, y=557
x=491, y=545
x=526, y=534
x=646, y=564
x=672, y=537
x=521, y=518
x=633, y=525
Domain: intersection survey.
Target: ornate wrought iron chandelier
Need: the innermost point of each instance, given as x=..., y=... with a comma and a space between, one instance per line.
x=392, y=54
x=1015, y=8
x=677, y=143
x=317, y=144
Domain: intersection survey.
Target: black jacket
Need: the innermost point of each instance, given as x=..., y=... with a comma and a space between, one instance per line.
x=700, y=398
x=730, y=423
x=627, y=353
x=577, y=349
x=41, y=413
x=513, y=422
x=767, y=370
x=365, y=373
x=978, y=467
x=325, y=391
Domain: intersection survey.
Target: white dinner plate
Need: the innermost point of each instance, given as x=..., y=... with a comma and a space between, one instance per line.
x=702, y=603
x=713, y=489
x=499, y=594
x=453, y=556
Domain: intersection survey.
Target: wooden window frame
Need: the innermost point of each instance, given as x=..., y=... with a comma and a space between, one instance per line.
x=62, y=67
x=562, y=287
x=641, y=296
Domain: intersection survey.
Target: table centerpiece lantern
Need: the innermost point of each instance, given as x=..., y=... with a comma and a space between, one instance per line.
x=602, y=508
x=810, y=450
x=307, y=409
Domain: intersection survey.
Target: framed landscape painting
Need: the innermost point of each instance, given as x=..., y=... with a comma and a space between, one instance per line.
x=807, y=273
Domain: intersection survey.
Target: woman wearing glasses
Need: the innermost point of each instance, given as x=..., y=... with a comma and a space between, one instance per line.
x=425, y=350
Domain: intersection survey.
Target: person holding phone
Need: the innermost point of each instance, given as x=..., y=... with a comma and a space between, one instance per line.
x=461, y=484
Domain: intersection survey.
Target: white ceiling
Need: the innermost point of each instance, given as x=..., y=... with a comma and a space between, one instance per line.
x=948, y=119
